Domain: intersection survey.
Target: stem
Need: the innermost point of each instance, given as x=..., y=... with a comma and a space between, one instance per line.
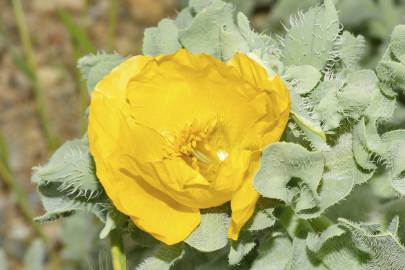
x=117, y=250
x=305, y=124
x=321, y=223
x=112, y=24
x=40, y=103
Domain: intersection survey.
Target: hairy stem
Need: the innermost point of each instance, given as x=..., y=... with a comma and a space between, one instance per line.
x=117, y=250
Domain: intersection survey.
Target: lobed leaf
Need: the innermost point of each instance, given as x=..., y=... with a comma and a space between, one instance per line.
x=304, y=78
x=204, y=33
x=162, y=258
x=312, y=36
x=386, y=252
x=394, y=155
x=71, y=171
x=272, y=253
x=93, y=67
x=240, y=248
x=211, y=234
x=262, y=218
x=162, y=39
x=351, y=49
x=315, y=241
x=283, y=162
x=341, y=173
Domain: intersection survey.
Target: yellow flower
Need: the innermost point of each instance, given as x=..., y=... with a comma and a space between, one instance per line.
x=177, y=133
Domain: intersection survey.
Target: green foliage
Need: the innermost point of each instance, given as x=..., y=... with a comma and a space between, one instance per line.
x=385, y=251
x=263, y=217
x=315, y=241
x=281, y=164
x=71, y=171
x=75, y=229
x=94, y=67
x=162, y=258
x=161, y=39
x=211, y=234
x=351, y=50
x=241, y=248
x=67, y=183
x=394, y=155
x=212, y=30
x=303, y=78
x=340, y=158
x=272, y=252
x=312, y=37
x=341, y=174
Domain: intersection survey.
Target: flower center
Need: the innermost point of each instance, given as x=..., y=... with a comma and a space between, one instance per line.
x=199, y=144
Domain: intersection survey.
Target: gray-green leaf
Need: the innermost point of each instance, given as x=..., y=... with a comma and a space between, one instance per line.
x=211, y=234
x=312, y=37
x=162, y=39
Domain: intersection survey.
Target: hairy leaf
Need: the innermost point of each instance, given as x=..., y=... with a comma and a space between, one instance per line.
x=162, y=39
x=204, y=33
x=316, y=241
x=240, y=248
x=361, y=148
x=162, y=258
x=398, y=42
x=94, y=67
x=355, y=97
x=211, y=234
x=383, y=246
x=394, y=155
x=311, y=38
x=184, y=18
x=303, y=78
x=324, y=101
x=272, y=253
x=71, y=170
x=263, y=216
x=341, y=173
x=283, y=162
x=351, y=49
x=303, y=260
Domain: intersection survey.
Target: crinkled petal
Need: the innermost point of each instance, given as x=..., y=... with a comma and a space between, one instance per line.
x=175, y=90
x=250, y=71
x=149, y=208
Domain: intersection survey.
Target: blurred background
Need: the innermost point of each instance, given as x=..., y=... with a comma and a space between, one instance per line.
x=43, y=98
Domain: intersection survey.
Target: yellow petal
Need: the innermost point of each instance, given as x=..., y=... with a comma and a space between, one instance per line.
x=243, y=202
x=150, y=209
x=142, y=116
x=277, y=98
x=250, y=71
x=169, y=221
x=192, y=87
x=108, y=100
